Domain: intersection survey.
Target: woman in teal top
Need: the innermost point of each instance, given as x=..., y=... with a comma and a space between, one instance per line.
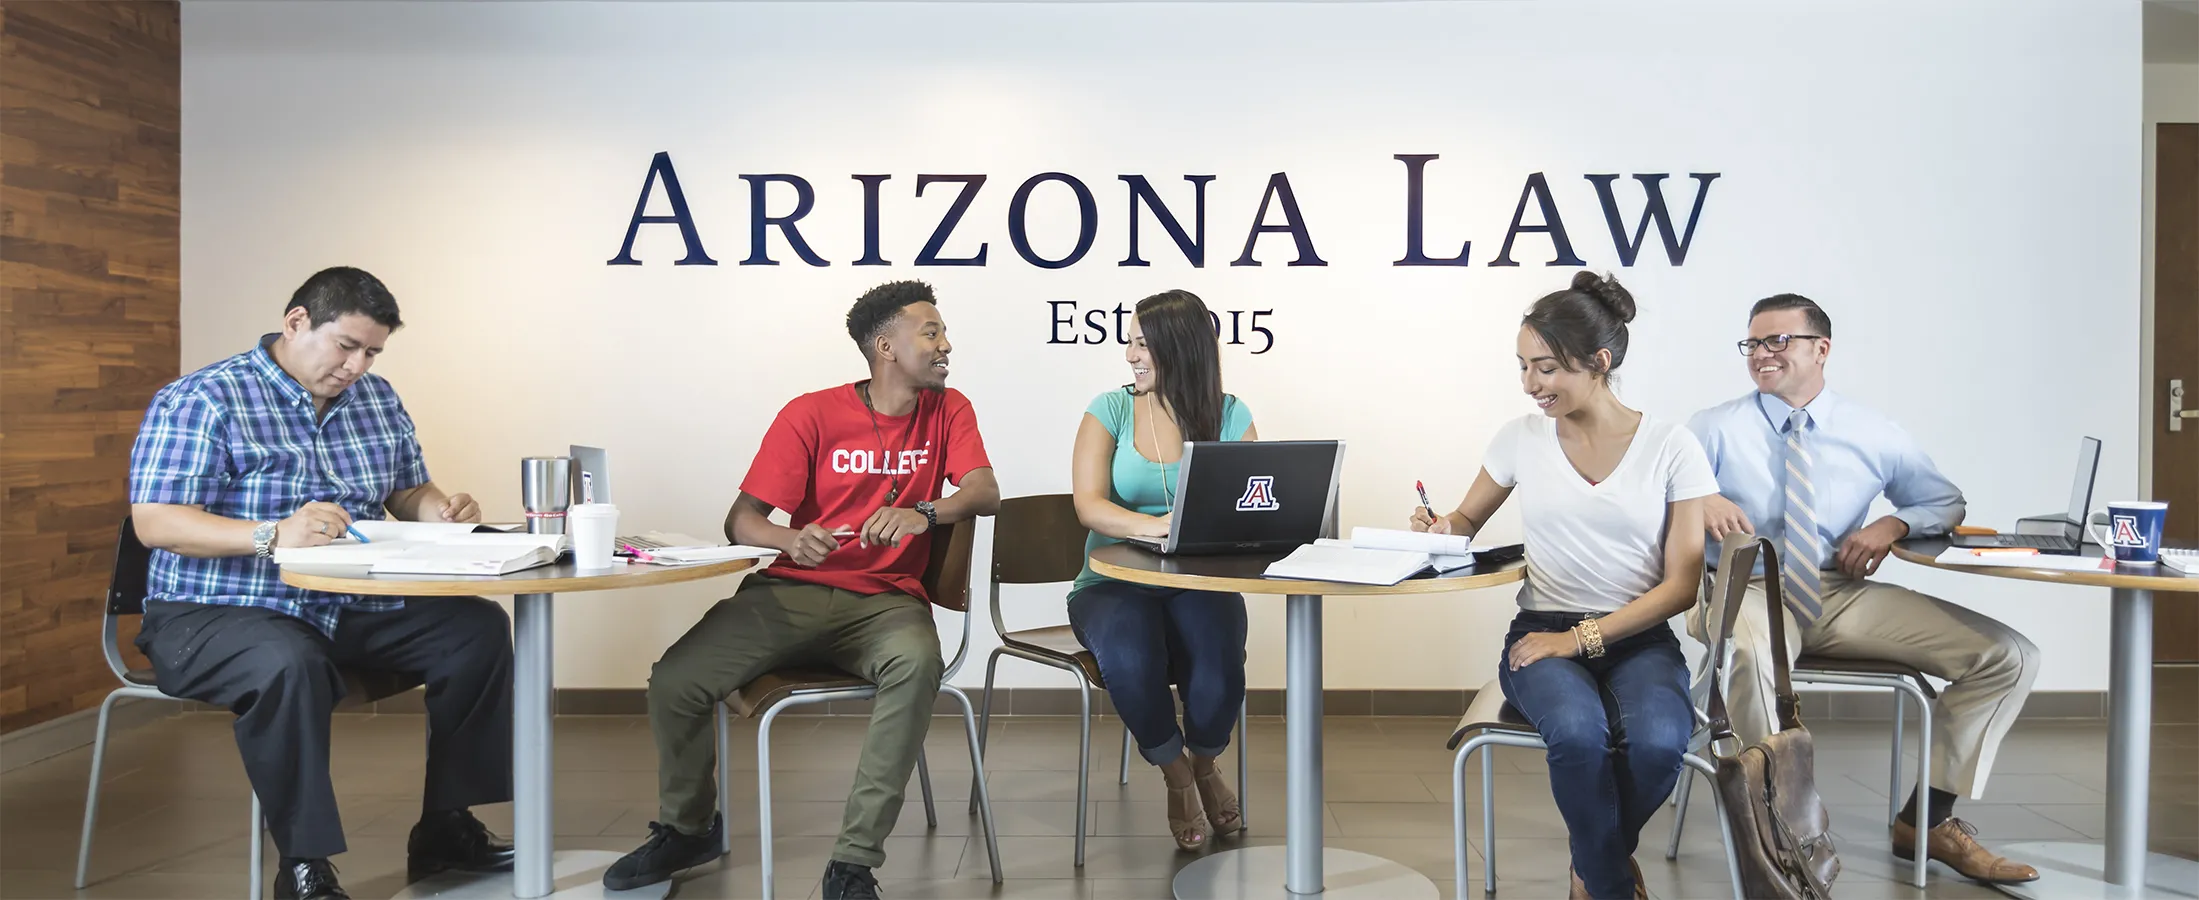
x=1147, y=638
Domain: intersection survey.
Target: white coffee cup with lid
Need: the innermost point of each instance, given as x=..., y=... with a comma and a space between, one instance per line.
x=593, y=528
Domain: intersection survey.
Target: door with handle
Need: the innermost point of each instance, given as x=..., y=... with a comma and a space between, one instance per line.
x=2174, y=421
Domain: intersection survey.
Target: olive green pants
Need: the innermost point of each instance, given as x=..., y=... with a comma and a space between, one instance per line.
x=772, y=624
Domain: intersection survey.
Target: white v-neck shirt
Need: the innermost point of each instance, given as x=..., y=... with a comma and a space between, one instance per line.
x=1592, y=548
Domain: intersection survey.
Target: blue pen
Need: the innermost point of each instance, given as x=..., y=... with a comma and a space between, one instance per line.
x=354, y=532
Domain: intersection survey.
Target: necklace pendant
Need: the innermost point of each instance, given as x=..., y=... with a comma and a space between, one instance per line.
x=892, y=495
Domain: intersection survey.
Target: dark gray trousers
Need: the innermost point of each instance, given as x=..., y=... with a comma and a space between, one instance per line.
x=281, y=678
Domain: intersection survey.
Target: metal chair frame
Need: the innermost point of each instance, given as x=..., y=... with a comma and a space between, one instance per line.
x=980, y=801
x=126, y=593
x=1495, y=733
x=1084, y=703
x=1906, y=689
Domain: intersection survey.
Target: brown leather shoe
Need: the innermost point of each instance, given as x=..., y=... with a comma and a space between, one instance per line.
x=1954, y=842
x=1641, y=887
x=1579, y=890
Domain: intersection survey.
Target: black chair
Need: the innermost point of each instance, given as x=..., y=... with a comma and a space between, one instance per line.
x=126, y=597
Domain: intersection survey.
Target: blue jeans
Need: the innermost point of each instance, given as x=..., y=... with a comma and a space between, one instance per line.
x=1147, y=638
x=1616, y=727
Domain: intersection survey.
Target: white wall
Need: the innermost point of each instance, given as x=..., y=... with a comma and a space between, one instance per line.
x=1957, y=182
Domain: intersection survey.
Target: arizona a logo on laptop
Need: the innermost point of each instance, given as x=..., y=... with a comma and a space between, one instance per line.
x=1259, y=495
x=2126, y=531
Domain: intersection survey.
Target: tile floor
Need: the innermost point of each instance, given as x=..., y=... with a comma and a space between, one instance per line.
x=175, y=808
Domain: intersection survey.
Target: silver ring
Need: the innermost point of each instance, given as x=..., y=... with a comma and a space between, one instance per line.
x=319, y=528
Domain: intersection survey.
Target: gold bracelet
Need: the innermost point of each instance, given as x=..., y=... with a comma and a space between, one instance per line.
x=1590, y=636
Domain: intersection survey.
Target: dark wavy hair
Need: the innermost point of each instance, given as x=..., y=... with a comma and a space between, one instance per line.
x=879, y=306
x=1588, y=316
x=1187, y=361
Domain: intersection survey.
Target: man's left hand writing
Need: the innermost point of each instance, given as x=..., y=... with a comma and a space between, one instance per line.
x=460, y=508
x=1862, y=552
x=890, y=524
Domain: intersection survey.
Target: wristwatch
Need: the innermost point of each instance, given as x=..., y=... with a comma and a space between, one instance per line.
x=263, y=540
x=931, y=514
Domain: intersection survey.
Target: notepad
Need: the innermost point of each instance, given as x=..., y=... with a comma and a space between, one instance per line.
x=1962, y=557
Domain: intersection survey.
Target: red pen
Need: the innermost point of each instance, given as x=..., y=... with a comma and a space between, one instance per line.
x=1424, y=504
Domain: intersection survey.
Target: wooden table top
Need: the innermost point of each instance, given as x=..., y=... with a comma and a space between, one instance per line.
x=1926, y=551
x=560, y=578
x=1241, y=574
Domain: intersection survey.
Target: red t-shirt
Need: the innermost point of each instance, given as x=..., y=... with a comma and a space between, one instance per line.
x=824, y=462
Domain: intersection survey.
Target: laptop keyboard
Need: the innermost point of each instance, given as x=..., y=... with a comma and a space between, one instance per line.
x=639, y=543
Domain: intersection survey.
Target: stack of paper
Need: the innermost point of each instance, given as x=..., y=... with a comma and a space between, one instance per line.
x=1445, y=551
x=1964, y=557
x=1375, y=556
x=691, y=556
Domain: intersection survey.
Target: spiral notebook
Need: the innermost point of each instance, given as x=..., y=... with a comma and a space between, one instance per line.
x=2180, y=561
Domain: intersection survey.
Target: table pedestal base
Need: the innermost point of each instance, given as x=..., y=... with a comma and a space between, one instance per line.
x=1258, y=872
x=575, y=875
x=2074, y=871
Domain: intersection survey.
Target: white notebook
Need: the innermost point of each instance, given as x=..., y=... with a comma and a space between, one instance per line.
x=1373, y=556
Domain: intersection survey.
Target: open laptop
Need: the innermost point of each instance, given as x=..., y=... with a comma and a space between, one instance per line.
x=1251, y=496
x=2058, y=533
x=592, y=484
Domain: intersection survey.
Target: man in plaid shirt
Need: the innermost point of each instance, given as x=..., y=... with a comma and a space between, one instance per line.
x=285, y=445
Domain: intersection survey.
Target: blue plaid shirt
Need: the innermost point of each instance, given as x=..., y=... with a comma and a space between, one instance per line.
x=241, y=438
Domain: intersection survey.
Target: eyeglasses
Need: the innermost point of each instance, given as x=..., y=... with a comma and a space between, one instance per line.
x=1776, y=343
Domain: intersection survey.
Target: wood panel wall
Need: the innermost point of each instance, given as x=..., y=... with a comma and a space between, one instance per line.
x=89, y=259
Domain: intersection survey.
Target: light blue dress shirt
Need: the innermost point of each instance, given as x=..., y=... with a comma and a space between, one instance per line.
x=1859, y=454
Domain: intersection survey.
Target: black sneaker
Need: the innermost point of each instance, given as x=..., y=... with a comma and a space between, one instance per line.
x=666, y=853
x=454, y=840
x=848, y=881
x=308, y=879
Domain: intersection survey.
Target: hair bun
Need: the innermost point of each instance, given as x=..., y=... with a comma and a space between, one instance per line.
x=1608, y=292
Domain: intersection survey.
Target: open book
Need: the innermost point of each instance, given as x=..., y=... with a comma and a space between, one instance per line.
x=431, y=548
x=1375, y=556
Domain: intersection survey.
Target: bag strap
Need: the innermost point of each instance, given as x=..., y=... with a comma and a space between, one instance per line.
x=1775, y=611
x=1729, y=591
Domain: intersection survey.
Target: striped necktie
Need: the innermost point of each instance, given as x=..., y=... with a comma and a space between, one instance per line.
x=1801, y=550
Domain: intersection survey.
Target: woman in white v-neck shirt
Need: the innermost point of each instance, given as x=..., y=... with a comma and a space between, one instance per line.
x=1612, y=504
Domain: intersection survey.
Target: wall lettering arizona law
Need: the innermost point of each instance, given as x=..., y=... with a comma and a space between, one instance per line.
x=1184, y=223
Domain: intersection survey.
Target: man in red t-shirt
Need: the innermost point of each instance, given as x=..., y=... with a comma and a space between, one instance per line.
x=860, y=470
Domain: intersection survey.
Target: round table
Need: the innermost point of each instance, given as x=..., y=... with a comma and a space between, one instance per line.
x=537, y=869
x=1302, y=863
x=2122, y=868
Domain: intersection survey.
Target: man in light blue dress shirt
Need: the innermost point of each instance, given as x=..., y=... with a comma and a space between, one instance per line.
x=1801, y=465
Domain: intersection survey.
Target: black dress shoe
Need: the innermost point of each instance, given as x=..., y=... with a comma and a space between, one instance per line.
x=454, y=840
x=308, y=879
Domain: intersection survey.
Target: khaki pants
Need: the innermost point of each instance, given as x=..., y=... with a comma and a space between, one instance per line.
x=1989, y=666
x=772, y=624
